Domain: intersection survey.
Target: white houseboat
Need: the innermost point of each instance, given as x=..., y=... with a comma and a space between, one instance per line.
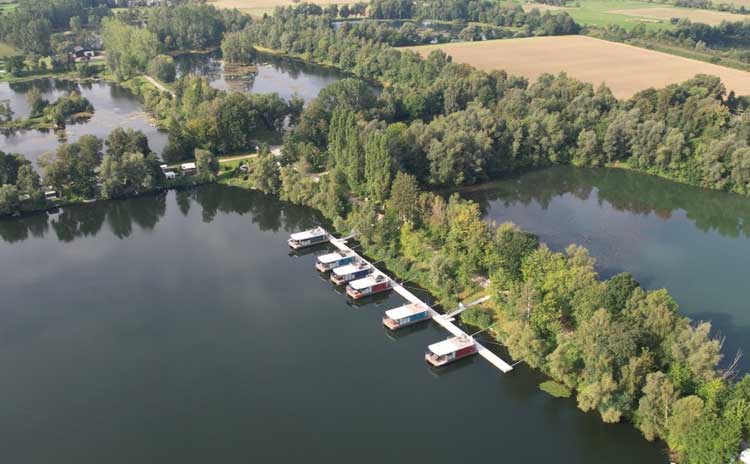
x=354, y=271
x=370, y=285
x=406, y=315
x=329, y=261
x=447, y=351
x=308, y=238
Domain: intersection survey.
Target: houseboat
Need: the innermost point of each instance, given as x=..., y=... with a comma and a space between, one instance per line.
x=447, y=351
x=370, y=285
x=308, y=238
x=326, y=262
x=406, y=315
x=354, y=271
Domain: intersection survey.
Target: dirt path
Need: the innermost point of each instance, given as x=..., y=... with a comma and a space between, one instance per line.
x=158, y=85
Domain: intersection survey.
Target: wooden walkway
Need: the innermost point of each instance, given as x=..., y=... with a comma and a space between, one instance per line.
x=445, y=321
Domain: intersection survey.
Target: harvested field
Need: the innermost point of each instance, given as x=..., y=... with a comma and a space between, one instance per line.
x=624, y=68
x=697, y=16
x=259, y=7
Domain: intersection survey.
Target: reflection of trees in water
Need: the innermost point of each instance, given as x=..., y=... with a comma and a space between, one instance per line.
x=145, y=212
x=625, y=191
x=19, y=229
x=207, y=65
x=46, y=85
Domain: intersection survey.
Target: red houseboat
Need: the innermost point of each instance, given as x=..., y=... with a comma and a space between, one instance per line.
x=370, y=285
x=447, y=351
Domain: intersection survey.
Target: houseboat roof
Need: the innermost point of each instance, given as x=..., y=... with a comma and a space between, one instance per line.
x=451, y=345
x=350, y=268
x=308, y=234
x=368, y=281
x=333, y=257
x=406, y=311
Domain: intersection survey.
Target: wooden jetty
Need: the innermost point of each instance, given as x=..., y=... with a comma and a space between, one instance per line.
x=445, y=321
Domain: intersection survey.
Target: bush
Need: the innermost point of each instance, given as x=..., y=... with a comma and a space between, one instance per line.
x=555, y=389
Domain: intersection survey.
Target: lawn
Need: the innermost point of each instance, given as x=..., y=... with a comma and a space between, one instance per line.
x=600, y=13
x=697, y=16
x=624, y=68
x=7, y=50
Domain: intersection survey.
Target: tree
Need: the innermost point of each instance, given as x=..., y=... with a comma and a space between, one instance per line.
x=207, y=164
x=377, y=167
x=686, y=415
x=163, y=68
x=237, y=47
x=8, y=199
x=404, y=196
x=655, y=407
x=14, y=65
x=121, y=141
x=265, y=175
x=28, y=182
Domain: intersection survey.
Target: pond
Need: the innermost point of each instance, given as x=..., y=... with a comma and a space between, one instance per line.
x=279, y=74
x=178, y=328
x=114, y=106
x=693, y=242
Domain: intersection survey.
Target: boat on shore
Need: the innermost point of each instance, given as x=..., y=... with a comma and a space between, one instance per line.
x=450, y=350
x=329, y=261
x=406, y=315
x=370, y=285
x=308, y=238
x=350, y=272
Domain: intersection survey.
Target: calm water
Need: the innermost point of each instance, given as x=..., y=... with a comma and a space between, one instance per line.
x=177, y=328
x=694, y=242
x=275, y=74
x=114, y=106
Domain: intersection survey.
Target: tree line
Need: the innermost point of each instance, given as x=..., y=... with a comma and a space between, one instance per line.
x=464, y=126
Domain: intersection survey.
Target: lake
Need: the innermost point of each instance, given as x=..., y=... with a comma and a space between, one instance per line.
x=274, y=74
x=114, y=106
x=691, y=241
x=178, y=328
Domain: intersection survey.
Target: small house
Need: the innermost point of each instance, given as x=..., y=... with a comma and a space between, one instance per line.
x=164, y=167
x=50, y=194
x=82, y=54
x=170, y=175
x=188, y=169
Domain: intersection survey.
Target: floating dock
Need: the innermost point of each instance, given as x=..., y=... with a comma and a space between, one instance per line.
x=445, y=321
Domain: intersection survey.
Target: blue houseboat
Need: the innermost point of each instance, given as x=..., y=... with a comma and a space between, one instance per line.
x=406, y=315
x=308, y=238
x=354, y=271
x=326, y=262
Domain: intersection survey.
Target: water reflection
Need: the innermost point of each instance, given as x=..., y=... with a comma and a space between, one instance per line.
x=145, y=212
x=634, y=193
x=270, y=74
x=114, y=106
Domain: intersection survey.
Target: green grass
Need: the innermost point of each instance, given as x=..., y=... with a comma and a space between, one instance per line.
x=555, y=389
x=7, y=50
x=596, y=13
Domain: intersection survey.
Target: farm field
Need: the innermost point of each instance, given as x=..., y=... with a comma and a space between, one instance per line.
x=261, y=7
x=624, y=68
x=697, y=16
x=601, y=13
